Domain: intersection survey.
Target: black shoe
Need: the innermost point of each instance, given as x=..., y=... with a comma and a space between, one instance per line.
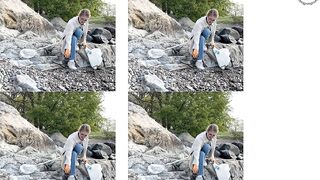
x=193, y=177
x=65, y=63
x=65, y=177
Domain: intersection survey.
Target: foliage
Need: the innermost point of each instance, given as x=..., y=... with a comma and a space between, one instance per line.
x=66, y=9
x=187, y=112
x=194, y=9
x=111, y=20
x=63, y=112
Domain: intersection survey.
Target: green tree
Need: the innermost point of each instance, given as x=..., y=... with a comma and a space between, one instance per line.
x=63, y=112
x=187, y=112
x=66, y=9
x=193, y=9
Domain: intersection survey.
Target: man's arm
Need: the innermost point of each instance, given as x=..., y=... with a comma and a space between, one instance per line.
x=69, y=32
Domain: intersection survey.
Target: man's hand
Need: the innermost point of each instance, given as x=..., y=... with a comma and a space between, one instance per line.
x=212, y=44
x=85, y=160
x=84, y=45
x=67, y=53
x=195, y=53
x=195, y=169
x=213, y=160
x=66, y=168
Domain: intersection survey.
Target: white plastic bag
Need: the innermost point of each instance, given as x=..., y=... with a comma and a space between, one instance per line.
x=94, y=56
x=222, y=171
x=94, y=171
x=223, y=57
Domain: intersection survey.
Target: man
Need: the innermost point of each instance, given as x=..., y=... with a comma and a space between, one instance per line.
x=202, y=32
x=204, y=145
x=76, y=30
x=76, y=142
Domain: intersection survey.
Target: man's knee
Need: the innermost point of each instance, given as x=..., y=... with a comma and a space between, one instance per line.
x=77, y=149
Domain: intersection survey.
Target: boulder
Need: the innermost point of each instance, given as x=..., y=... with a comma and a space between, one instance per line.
x=231, y=147
x=112, y=30
x=17, y=15
x=58, y=139
x=186, y=23
x=112, y=145
x=154, y=83
x=102, y=147
x=186, y=139
x=145, y=15
x=18, y=131
x=229, y=31
x=26, y=83
x=58, y=23
x=146, y=131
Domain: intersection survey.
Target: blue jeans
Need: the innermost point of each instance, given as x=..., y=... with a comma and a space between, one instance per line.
x=203, y=153
x=74, y=156
x=202, y=42
x=74, y=41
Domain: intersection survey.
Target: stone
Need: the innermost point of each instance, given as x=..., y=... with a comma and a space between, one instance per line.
x=186, y=23
x=156, y=53
x=102, y=147
x=156, y=168
x=28, y=169
x=58, y=139
x=26, y=83
x=186, y=139
x=231, y=147
x=175, y=67
x=145, y=15
x=46, y=67
x=155, y=83
x=28, y=53
x=17, y=15
x=227, y=39
x=16, y=130
x=146, y=131
x=58, y=23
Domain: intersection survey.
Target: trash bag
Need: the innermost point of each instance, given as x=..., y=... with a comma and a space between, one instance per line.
x=95, y=57
x=223, y=57
x=94, y=171
x=222, y=171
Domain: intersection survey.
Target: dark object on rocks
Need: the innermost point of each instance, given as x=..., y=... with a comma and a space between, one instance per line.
x=89, y=38
x=102, y=32
x=217, y=38
x=97, y=154
x=102, y=147
x=240, y=157
x=227, y=39
x=226, y=154
x=89, y=153
x=231, y=147
x=97, y=39
x=112, y=30
x=239, y=145
x=228, y=31
x=217, y=153
x=112, y=145
x=239, y=29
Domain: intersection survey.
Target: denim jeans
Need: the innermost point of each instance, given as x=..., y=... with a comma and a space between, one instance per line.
x=74, y=41
x=202, y=42
x=74, y=156
x=203, y=153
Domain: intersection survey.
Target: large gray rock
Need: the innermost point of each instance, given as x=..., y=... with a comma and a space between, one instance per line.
x=156, y=168
x=18, y=131
x=28, y=169
x=26, y=83
x=186, y=139
x=58, y=23
x=146, y=131
x=28, y=53
x=17, y=15
x=145, y=15
x=58, y=139
x=155, y=83
x=186, y=23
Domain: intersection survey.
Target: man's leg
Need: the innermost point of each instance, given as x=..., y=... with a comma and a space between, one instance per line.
x=75, y=153
x=203, y=38
x=202, y=42
x=74, y=41
x=203, y=153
